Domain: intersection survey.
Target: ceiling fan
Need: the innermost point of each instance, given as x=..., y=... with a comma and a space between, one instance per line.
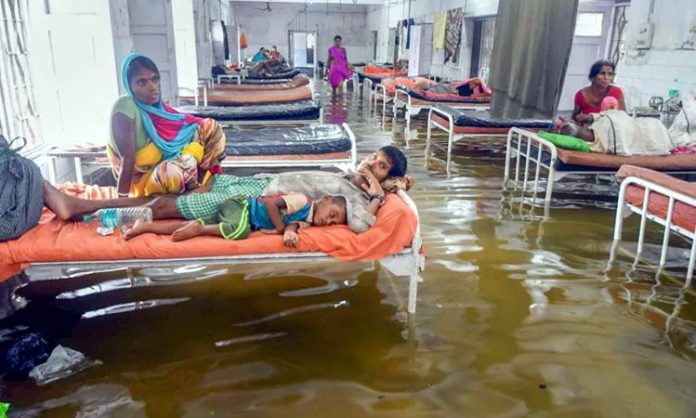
x=267, y=8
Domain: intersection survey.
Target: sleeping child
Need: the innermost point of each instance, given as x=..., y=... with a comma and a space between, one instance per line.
x=279, y=214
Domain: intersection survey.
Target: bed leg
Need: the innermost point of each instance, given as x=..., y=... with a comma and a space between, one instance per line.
x=692, y=260
x=412, y=293
x=78, y=169
x=52, y=176
x=449, y=149
x=428, y=136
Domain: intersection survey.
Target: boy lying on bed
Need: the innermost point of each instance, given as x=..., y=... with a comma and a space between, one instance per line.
x=280, y=214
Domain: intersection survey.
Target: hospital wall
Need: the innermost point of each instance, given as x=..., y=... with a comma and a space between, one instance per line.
x=265, y=29
x=652, y=72
x=381, y=18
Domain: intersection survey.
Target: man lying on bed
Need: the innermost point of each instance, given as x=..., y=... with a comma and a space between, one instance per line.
x=473, y=87
x=363, y=192
x=616, y=132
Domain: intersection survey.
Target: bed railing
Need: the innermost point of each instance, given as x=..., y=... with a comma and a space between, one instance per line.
x=411, y=261
x=237, y=77
x=624, y=209
x=367, y=91
x=403, y=99
x=202, y=87
x=527, y=154
x=449, y=129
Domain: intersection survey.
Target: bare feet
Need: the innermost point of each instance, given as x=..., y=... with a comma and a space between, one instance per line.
x=188, y=231
x=139, y=227
x=58, y=202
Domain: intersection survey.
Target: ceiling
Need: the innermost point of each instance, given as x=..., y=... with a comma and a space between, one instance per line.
x=315, y=2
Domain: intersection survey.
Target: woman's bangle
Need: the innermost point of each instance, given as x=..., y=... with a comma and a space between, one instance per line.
x=379, y=197
x=120, y=194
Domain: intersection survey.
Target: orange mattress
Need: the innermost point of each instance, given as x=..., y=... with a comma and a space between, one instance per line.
x=297, y=81
x=383, y=71
x=683, y=215
x=56, y=241
x=241, y=97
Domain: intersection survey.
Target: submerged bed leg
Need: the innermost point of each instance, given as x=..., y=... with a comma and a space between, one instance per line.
x=412, y=293
x=692, y=260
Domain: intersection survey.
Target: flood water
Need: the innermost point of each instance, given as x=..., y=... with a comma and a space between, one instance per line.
x=516, y=318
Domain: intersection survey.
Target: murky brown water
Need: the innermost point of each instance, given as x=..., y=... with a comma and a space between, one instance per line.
x=516, y=318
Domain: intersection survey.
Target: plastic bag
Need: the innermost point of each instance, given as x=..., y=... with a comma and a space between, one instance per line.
x=682, y=132
x=61, y=363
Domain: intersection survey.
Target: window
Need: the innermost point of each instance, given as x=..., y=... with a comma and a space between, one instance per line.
x=19, y=116
x=589, y=24
x=618, y=33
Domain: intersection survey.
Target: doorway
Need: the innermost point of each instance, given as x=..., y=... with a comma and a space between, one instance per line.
x=303, y=49
x=392, y=47
x=592, y=29
x=374, y=45
x=482, y=47
x=152, y=31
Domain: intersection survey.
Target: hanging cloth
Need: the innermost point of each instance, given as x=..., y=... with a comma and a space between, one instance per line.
x=169, y=130
x=453, y=34
x=226, y=41
x=243, y=41
x=408, y=22
x=439, y=30
x=520, y=89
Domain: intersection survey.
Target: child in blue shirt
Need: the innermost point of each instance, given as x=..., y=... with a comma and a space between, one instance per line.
x=279, y=214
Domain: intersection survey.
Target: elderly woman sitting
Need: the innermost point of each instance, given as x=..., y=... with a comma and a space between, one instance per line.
x=616, y=132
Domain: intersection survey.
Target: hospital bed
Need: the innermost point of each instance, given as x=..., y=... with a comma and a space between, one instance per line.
x=533, y=164
x=54, y=248
x=459, y=125
x=323, y=146
x=658, y=198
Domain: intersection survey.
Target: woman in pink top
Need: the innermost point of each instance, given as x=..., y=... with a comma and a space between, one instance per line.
x=339, y=68
x=600, y=95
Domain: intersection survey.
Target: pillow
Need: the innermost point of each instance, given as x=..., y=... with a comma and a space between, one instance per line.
x=565, y=141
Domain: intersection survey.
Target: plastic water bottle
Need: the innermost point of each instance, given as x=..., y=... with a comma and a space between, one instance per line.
x=673, y=102
x=114, y=217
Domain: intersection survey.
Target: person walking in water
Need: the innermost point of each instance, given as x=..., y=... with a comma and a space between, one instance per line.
x=339, y=68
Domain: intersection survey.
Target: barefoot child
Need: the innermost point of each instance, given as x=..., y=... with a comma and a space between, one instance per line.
x=279, y=214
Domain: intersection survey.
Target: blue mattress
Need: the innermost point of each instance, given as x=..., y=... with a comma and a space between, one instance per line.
x=287, y=74
x=319, y=139
x=374, y=78
x=481, y=119
x=302, y=110
x=416, y=94
x=257, y=81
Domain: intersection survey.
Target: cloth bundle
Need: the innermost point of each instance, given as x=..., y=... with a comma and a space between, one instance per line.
x=21, y=192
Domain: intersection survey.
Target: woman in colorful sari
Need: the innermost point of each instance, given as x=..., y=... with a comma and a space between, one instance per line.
x=153, y=149
x=339, y=68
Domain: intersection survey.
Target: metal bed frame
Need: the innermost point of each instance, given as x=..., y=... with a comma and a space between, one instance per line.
x=273, y=122
x=543, y=155
x=409, y=263
x=452, y=135
x=403, y=99
x=348, y=163
x=625, y=209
